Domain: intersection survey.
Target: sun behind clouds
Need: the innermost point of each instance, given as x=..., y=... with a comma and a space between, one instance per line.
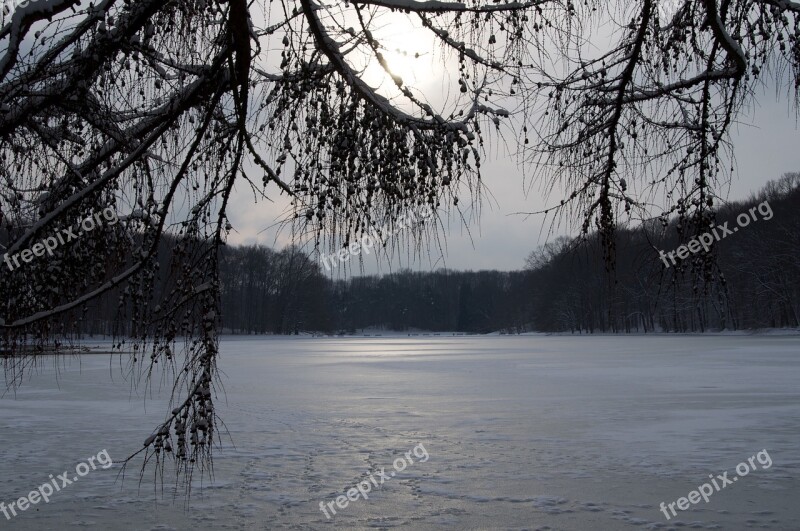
x=404, y=53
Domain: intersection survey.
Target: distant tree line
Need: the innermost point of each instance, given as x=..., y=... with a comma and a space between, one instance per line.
x=753, y=283
x=565, y=287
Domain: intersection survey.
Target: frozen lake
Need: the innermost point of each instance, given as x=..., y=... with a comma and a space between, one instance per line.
x=528, y=432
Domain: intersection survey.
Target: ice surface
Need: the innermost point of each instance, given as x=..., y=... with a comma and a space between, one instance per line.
x=530, y=432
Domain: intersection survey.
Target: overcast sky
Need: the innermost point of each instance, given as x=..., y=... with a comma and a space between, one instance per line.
x=767, y=147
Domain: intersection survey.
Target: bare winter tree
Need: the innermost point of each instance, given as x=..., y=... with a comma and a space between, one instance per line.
x=154, y=109
x=648, y=117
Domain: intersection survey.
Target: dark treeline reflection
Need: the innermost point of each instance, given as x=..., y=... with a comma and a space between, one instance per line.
x=565, y=286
